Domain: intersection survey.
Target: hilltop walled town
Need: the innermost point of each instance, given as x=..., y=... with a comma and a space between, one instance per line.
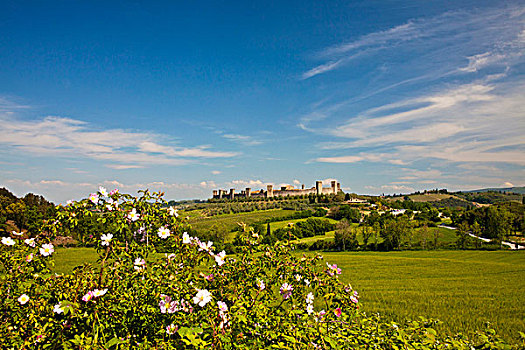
x=285, y=191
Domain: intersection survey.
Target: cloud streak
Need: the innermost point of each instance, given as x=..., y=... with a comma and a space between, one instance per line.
x=456, y=30
x=242, y=139
x=66, y=137
x=471, y=112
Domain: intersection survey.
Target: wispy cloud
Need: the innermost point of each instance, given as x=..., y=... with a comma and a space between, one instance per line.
x=456, y=30
x=66, y=137
x=370, y=157
x=60, y=190
x=242, y=139
x=469, y=123
x=326, y=67
x=447, y=93
x=390, y=188
x=476, y=115
x=124, y=166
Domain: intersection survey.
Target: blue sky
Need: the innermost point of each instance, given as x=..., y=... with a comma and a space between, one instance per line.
x=186, y=97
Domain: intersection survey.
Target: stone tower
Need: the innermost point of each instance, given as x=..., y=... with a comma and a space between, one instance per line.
x=333, y=184
x=319, y=188
x=269, y=191
x=248, y=192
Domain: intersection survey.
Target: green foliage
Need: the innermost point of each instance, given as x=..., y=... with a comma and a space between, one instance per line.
x=495, y=221
x=395, y=232
x=345, y=212
x=463, y=238
x=345, y=236
x=192, y=297
x=132, y=296
x=202, y=225
x=402, y=285
x=489, y=197
x=25, y=213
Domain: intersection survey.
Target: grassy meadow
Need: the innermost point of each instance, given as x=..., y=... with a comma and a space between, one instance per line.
x=280, y=224
x=461, y=288
x=229, y=221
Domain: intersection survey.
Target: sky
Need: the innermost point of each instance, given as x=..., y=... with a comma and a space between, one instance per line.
x=190, y=96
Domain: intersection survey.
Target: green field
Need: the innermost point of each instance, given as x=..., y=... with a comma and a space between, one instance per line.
x=67, y=258
x=229, y=221
x=280, y=224
x=461, y=288
x=309, y=240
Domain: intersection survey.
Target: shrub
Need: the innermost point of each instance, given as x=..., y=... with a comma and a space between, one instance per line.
x=189, y=297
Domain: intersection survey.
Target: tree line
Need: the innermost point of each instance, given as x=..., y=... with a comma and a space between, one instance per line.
x=25, y=213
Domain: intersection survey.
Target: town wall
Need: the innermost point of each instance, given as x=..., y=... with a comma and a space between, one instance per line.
x=286, y=191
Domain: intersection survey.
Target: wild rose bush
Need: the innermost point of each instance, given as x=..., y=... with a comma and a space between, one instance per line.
x=189, y=296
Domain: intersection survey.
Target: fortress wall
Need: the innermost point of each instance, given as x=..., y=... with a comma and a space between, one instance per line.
x=295, y=192
x=271, y=192
x=327, y=190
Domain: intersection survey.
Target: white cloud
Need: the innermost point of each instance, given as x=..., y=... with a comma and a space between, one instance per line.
x=65, y=137
x=468, y=123
x=124, y=166
x=215, y=172
x=296, y=182
x=208, y=184
x=454, y=107
x=253, y=184
x=242, y=139
x=342, y=159
x=328, y=181
x=508, y=184
x=326, y=67
x=456, y=30
x=370, y=157
x=59, y=191
x=418, y=174
x=391, y=188
x=480, y=61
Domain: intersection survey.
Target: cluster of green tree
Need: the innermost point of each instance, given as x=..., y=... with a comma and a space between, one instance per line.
x=452, y=203
x=308, y=228
x=428, y=216
x=218, y=208
x=395, y=233
x=436, y=191
x=491, y=197
x=345, y=212
x=309, y=198
x=25, y=213
x=317, y=212
x=493, y=222
x=407, y=204
x=218, y=232
x=185, y=202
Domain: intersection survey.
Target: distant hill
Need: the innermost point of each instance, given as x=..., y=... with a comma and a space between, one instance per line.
x=520, y=190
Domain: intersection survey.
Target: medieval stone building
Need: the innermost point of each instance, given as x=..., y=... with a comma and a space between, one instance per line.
x=284, y=191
